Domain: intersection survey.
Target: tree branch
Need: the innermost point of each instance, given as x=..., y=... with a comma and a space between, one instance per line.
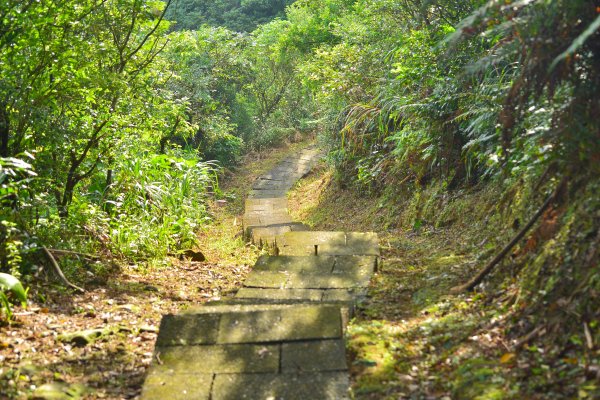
x=488, y=268
x=59, y=272
x=145, y=39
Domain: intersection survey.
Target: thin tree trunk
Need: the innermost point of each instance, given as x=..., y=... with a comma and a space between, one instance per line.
x=4, y=131
x=488, y=268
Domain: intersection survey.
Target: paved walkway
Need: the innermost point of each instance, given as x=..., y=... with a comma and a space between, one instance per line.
x=282, y=336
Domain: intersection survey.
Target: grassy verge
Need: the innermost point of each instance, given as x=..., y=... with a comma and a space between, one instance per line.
x=412, y=339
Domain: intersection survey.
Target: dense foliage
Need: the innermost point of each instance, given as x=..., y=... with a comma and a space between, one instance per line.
x=87, y=97
x=110, y=116
x=109, y=124
x=237, y=15
x=468, y=93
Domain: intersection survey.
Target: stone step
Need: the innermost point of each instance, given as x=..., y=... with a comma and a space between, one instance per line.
x=299, y=386
x=312, y=272
x=346, y=307
x=264, y=184
x=317, y=264
x=266, y=205
x=350, y=295
x=328, y=243
x=258, y=323
x=237, y=351
x=252, y=221
x=267, y=236
x=285, y=357
x=266, y=194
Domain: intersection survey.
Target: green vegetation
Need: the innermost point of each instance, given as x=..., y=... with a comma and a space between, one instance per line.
x=236, y=15
x=113, y=130
x=119, y=118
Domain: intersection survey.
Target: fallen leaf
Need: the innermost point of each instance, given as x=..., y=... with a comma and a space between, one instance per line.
x=507, y=358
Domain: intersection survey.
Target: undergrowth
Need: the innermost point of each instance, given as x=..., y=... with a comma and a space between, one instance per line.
x=530, y=330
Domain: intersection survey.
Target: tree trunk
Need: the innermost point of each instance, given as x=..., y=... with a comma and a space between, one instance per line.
x=4, y=131
x=109, y=179
x=67, y=195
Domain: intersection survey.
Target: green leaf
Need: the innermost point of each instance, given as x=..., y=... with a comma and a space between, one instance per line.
x=9, y=282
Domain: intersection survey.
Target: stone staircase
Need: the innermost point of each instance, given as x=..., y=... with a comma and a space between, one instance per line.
x=282, y=336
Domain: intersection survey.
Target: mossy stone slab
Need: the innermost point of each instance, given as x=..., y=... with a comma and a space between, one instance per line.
x=267, y=279
x=262, y=184
x=296, y=250
x=172, y=386
x=307, y=243
x=271, y=221
x=300, y=264
x=312, y=238
x=294, y=323
x=186, y=329
x=266, y=204
x=354, y=249
x=234, y=358
x=329, y=243
x=264, y=194
x=310, y=386
x=311, y=295
x=270, y=176
x=251, y=222
x=325, y=281
x=313, y=356
x=224, y=308
x=366, y=264
x=261, y=221
x=344, y=295
x=357, y=243
x=267, y=236
x=267, y=214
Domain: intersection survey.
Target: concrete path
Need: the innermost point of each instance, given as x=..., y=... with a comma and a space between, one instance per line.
x=266, y=216
x=282, y=336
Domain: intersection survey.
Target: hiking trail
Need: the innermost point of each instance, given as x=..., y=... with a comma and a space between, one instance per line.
x=282, y=335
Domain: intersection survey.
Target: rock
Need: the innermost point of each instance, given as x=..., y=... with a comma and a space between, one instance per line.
x=58, y=391
x=83, y=338
x=129, y=307
x=52, y=391
x=30, y=369
x=148, y=328
x=193, y=255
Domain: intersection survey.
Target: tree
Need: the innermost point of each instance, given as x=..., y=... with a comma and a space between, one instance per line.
x=236, y=15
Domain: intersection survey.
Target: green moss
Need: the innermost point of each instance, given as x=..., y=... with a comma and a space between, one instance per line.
x=479, y=379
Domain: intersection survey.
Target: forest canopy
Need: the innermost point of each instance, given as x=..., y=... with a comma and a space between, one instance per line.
x=236, y=15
